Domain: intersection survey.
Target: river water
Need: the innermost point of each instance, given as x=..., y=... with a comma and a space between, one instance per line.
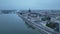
x=13, y=24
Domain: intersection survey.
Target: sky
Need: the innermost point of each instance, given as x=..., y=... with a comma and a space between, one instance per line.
x=32, y=4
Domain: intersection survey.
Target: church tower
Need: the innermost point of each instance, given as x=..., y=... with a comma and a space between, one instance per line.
x=29, y=10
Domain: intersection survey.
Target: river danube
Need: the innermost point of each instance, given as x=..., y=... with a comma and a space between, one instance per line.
x=12, y=24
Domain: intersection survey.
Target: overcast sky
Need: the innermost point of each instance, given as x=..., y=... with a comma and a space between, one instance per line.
x=26, y=4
